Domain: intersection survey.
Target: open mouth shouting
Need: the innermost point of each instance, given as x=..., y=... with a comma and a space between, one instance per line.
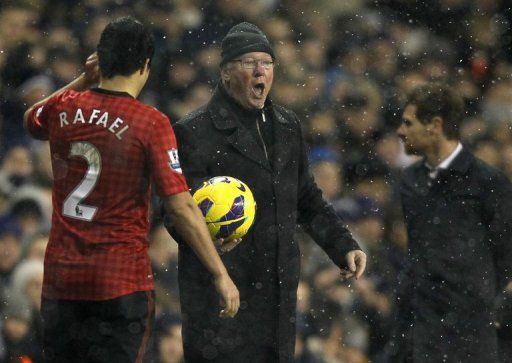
x=258, y=90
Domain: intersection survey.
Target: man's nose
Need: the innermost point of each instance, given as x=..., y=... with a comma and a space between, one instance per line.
x=259, y=69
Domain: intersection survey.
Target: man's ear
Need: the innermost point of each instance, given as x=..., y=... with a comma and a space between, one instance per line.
x=437, y=125
x=225, y=74
x=145, y=68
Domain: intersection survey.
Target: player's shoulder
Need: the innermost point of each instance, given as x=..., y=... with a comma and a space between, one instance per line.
x=65, y=95
x=151, y=113
x=59, y=101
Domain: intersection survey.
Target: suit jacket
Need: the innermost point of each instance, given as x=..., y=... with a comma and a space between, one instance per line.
x=266, y=265
x=460, y=253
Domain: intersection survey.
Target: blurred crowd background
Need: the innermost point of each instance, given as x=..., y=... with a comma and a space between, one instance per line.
x=343, y=66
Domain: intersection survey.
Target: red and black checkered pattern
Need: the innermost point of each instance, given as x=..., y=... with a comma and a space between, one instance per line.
x=98, y=242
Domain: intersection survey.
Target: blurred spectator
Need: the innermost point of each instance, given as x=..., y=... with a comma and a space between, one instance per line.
x=506, y=153
x=64, y=65
x=335, y=345
x=36, y=87
x=35, y=247
x=18, y=339
x=488, y=150
x=30, y=210
x=497, y=102
x=169, y=345
x=10, y=251
x=321, y=130
x=22, y=327
x=198, y=95
x=43, y=175
x=163, y=254
x=327, y=172
x=27, y=284
x=302, y=351
x=15, y=170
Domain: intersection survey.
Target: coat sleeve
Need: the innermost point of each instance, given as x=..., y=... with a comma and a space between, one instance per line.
x=194, y=169
x=319, y=218
x=498, y=207
x=192, y=163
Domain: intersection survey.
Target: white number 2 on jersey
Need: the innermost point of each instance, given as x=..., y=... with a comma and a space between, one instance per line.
x=72, y=207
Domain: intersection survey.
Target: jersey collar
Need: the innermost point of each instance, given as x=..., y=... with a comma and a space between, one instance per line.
x=111, y=93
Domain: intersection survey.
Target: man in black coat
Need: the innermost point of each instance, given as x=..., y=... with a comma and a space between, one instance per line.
x=458, y=212
x=240, y=133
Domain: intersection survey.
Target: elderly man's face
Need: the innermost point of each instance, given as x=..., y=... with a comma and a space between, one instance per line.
x=248, y=78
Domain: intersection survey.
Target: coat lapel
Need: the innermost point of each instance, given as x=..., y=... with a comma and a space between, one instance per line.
x=283, y=137
x=241, y=138
x=416, y=181
x=244, y=142
x=449, y=180
x=454, y=177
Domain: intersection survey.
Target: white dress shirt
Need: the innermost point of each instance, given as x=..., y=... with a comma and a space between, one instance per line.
x=433, y=171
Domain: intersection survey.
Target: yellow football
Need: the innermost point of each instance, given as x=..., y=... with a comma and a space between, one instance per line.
x=227, y=205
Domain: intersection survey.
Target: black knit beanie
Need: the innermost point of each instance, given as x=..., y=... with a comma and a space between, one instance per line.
x=244, y=38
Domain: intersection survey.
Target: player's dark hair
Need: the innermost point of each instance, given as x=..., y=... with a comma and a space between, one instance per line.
x=438, y=99
x=124, y=46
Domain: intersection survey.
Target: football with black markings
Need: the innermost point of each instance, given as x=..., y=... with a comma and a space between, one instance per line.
x=228, y=207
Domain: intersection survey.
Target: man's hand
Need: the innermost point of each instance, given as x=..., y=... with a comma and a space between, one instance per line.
x=92, y=70
x=223, y=247
x=356, y=262
x=89, y=78
x=229, y=296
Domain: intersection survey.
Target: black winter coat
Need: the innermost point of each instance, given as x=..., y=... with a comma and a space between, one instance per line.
x=460, y=254
x=265, y=266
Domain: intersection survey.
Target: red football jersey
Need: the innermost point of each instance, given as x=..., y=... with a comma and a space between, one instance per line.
x=106, y=147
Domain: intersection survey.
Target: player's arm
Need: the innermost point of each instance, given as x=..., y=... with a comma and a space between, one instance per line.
x=88, y=78
x=189, y=222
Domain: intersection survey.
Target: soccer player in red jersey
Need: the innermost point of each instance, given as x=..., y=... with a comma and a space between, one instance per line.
x=106, y=149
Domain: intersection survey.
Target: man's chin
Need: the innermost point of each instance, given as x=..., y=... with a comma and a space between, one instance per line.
x=258, y=104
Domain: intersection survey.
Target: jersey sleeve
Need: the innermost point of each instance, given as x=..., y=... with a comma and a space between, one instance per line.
x=38, y=119
x=164, y=160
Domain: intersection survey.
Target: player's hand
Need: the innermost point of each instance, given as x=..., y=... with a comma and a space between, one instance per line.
x=226, y=246
x=229, y=296
x=356, y=262
x=92, y=70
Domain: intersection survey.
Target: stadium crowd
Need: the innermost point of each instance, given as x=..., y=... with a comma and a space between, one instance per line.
x=343, y=66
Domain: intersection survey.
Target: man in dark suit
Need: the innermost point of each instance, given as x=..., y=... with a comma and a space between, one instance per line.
x=242, y=134
x=458, y=212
